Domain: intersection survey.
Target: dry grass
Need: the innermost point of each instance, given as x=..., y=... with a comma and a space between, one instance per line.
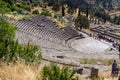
x=22, y=71
x=107, y=75
x=18, y=16
x=106, y=62
x=18, y=71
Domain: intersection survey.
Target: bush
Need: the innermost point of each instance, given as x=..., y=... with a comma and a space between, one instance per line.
x=4, y=7
x=7, y=30
x=15, y=8
x=56, y=16
x=35, y=12
x=10, y=50
x=53, y=72
x=46, y=13
x=24, y=6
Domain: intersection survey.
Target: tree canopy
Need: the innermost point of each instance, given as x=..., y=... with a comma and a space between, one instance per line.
x=7, y=30
x=81, y=22
x=3, y=7
x=11, y=50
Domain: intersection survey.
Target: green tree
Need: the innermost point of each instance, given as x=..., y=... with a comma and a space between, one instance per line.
x=56, y=7
x=81, y=22
x=104, y=17
x=87, y=11
x=82, y=8
x=63, y=10
x=11, y=2
x=7, y=30
x=11, y=51
x=79, y=11
x=3, y=7
x=53, y=72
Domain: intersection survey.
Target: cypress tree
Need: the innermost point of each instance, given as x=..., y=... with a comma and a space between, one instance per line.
x=63, y=10
x=87, y=11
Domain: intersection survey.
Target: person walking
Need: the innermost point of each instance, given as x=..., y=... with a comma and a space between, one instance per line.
x=114, y=68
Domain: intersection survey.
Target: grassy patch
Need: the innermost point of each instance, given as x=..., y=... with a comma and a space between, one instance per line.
x=106, y=62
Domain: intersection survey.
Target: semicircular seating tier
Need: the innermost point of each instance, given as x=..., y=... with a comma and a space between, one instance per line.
x=53, y=40
x=45, y=33
x=46, y=29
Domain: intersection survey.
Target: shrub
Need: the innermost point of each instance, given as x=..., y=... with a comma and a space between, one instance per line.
x=7, y=30
x=10, y=50
x=56, y=16
x=53, y=72
x=4, y=7
x=46, y=13
x=24, y=6
x=35, y=12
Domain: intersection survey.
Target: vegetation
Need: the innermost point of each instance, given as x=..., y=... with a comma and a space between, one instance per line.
x=53, y=72
x=93, y=8
x=117, y=20
x=46, y=13
x=63, y=10
x=36, y=12
x=97, y=78
x=106, y=62
x=10, y=50
x=56, y=7
x=81, y=22
x=18, y=71
x=3, y=7
x=56, y=15
x=7, y=30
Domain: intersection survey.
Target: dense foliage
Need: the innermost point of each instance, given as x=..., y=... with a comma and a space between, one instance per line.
x=36, y=12
x=7, y=30
x=95, y=8
x=117, y=20
x=53, y=72
x=10, y=50
x=81, y=22
x=4, y=7
x=46, y=13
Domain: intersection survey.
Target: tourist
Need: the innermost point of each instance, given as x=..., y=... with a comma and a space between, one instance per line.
x=114, y=68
